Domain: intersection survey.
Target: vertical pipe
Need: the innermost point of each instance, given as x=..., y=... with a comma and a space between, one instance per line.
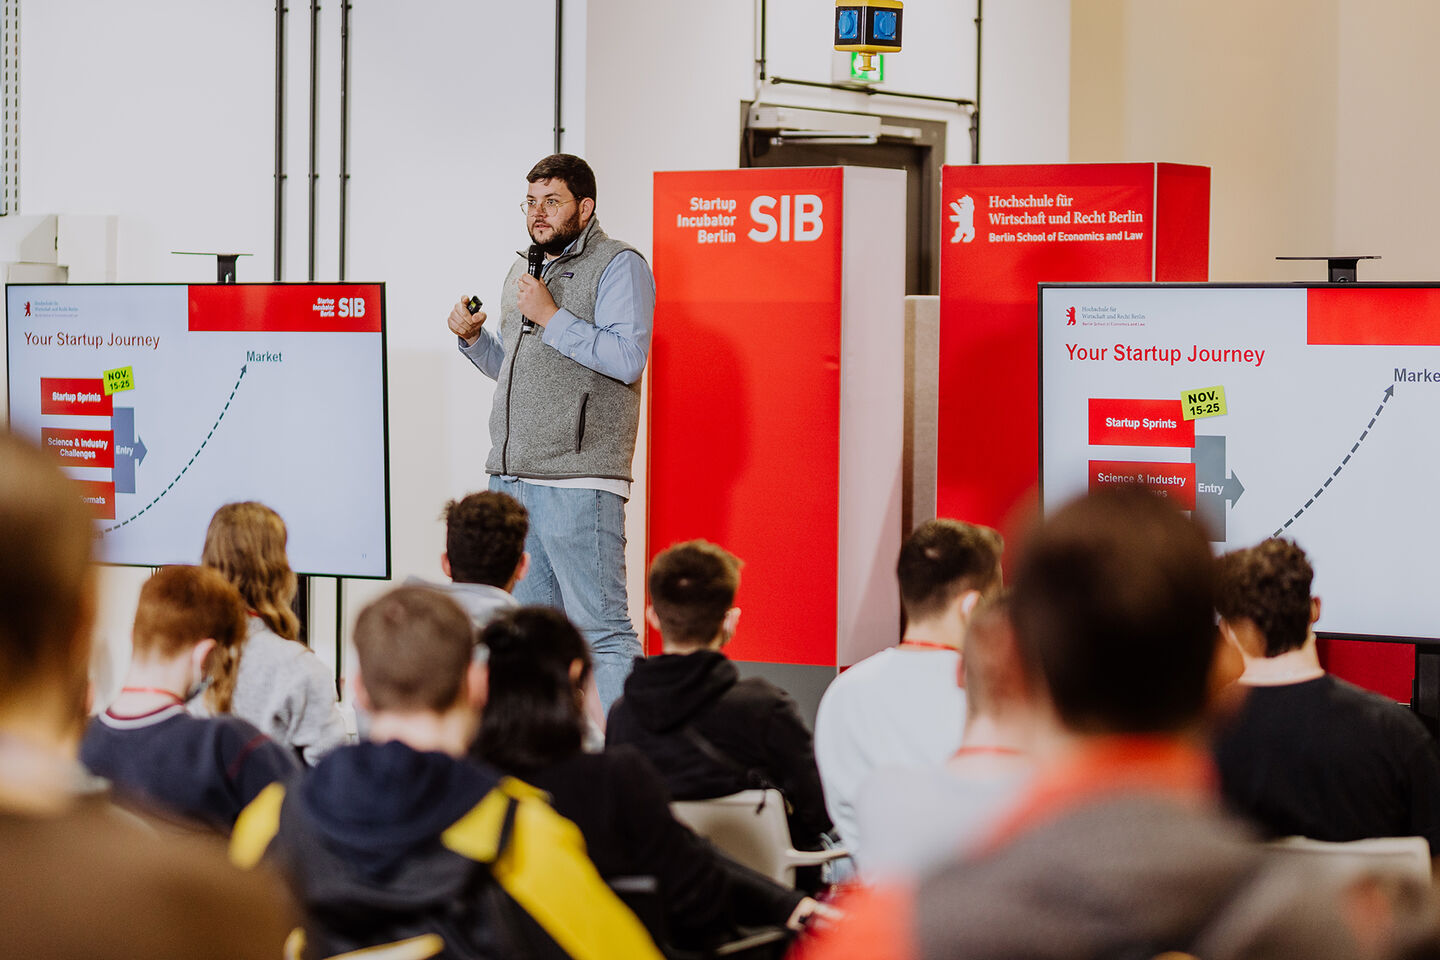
x=764, y=18
x=559, y=51
x=279, y=138
x=339, y=638
x=975, y=111
x=314, y=123
x=344, y=128
x=12, y=203
x=5, y=62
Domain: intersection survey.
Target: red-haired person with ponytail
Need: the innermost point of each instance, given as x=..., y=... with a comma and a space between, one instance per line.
x=160, y=759
x=281, y=686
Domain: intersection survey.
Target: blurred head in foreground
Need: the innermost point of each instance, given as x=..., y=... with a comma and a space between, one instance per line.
x=47, y=596
x=1113, y=608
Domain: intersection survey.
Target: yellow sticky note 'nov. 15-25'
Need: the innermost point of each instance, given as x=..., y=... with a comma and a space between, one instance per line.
x=121, y=378
x=1203, y=402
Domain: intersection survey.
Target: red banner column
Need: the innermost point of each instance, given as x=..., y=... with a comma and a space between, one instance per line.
x=776, y=397
x=1010, y=228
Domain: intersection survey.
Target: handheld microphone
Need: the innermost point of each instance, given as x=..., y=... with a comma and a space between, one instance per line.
x=536, y=258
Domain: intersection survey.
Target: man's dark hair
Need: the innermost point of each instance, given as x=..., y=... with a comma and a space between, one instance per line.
x=692, y=587
x=942, y=559
x=1113, y=607
x=414, y=645
x=1268, y=584
x=569, y=170
x=485, y=537
x=533, y=715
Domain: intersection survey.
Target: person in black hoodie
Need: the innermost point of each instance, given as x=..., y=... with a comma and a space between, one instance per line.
x=533, y=727
x=709, y=733
x=402, y=839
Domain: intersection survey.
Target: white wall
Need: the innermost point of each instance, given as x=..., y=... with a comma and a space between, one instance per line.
x=161, y=112
x=667, y=97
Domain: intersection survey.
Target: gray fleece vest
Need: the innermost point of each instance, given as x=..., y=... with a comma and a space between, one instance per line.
x=553, y=418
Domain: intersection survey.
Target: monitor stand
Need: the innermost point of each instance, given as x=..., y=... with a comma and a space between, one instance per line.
x=1342, y=269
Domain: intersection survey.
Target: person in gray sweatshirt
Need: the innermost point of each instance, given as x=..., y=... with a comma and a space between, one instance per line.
x=281, y=686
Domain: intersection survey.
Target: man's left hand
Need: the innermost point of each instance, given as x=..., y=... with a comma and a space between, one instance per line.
x=535, y=300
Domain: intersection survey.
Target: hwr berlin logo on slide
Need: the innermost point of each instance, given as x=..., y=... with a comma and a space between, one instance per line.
x=1070, y=317
x=963, y=216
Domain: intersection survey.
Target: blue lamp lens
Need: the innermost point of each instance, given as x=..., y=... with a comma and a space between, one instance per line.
x=885, y=24
x=847, y=24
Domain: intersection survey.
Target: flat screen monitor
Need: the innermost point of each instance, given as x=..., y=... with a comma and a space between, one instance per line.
x=168, y=400
x=1306, y=412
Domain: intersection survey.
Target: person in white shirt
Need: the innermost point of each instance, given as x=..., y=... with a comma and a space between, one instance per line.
x=915, y=818
x=904, y=706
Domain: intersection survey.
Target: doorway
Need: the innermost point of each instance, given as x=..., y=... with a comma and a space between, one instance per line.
x=904, y=143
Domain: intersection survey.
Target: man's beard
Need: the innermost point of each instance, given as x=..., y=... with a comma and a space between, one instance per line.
x=562, y=234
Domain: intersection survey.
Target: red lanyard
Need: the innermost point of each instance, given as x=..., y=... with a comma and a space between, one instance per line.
x=999, y=751
x=927, y=645
x=157, y=691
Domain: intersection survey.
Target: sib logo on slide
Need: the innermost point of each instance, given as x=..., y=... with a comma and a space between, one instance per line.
x=347, y=306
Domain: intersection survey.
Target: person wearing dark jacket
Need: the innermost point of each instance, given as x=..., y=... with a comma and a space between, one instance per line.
x=532, y=728
x=403, y=839
x=708, y=732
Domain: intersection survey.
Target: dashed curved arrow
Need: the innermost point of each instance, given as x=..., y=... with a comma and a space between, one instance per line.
x=191, y=461
x=1389, y=392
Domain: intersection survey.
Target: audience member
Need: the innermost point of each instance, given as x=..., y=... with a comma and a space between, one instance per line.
x=484, y=553
x=709, y=733
x=189, y=625
x=902, y=706
x=1119, y=847
x=282, y=687
x=402, y=838
x=484, y=558
x=77, y=878
x=914, y=818
x=532, y=728
x=1309, y=754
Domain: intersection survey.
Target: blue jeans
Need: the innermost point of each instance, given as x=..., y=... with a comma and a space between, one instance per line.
x=577, y=565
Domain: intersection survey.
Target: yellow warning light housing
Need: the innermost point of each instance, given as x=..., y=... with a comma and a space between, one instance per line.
x=868, y=28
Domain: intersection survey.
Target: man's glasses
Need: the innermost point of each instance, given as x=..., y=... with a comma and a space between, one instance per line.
x=549, y=205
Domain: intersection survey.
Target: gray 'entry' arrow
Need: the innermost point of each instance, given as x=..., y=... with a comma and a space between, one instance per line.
x=129, y=451
x=1233, y=489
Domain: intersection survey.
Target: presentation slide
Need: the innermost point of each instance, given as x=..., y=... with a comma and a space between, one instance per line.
x=167, y=401
x=1301, y=412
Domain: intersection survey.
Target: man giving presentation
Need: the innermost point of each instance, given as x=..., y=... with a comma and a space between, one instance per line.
x=574, y=333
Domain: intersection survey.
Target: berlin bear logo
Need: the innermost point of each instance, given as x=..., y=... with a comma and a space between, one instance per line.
x=1070, y=317
x=963, y=216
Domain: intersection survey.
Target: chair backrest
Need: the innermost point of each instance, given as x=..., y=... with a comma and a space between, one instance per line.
x=749, y=827
x=1407, y=857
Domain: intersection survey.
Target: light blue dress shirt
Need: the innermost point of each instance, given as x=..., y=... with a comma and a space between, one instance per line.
x=615, y=345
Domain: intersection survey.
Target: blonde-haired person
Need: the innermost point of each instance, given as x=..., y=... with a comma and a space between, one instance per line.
x=281, y=686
